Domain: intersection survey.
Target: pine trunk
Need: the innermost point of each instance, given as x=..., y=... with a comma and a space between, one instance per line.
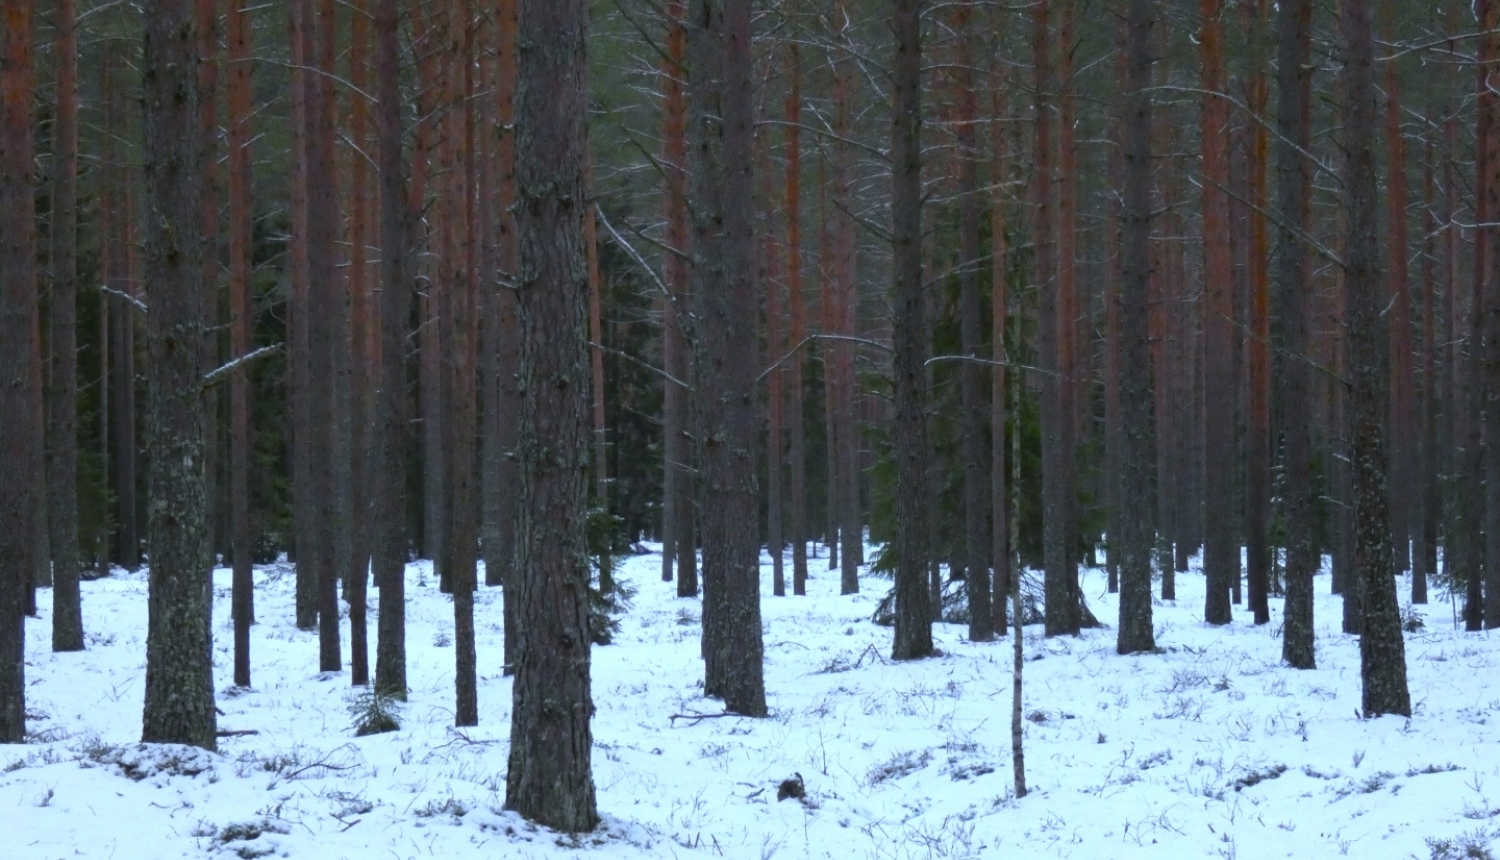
x=179, y=698
x=1381, y=649
x=913, y=638
x=62, y=389
x=241, y=325
x=1293, y=181
x=724, y=295
x=389, y=446
x=20, y=399
x=1136, y=633
x=549, y=779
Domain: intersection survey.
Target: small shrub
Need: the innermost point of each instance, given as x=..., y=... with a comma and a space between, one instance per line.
x=374, y=713
x=1465, y=846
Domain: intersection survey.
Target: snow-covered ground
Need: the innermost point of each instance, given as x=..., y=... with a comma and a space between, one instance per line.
x=1210, y=748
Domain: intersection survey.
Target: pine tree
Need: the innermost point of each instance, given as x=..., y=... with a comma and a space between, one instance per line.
x=549, y=780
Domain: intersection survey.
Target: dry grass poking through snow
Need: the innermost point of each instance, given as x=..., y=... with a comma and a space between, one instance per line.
x=1209, y=748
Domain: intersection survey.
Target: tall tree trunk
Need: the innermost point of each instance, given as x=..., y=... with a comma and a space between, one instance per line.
x=325, y=302
x=1221, y=554
x=207, y=23
x=461, y=539
x=1067, y=310
x=679, y=448
x=842, y=310
x=361, y=356
x=977, y=493
x=179, y=700
x=1000, y=532
x=775, y=349
x=549, y=779
x=913, y=638
x=793, y=214
x=1136, y=633
x=1293, y=182
x=1381, y=649
x=303, y=486
x=1405, y=505
x=503, y=466
x=62, y=390
x=1257, y=346
x=596, y=367
x=20, y=333
x=389, y=528
x=1061, y=602
x=1429, y=463
x=1485, y=336
x=720, y=131
x=241, y=325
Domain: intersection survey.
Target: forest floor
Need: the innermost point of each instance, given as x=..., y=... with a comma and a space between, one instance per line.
x=1210, y=748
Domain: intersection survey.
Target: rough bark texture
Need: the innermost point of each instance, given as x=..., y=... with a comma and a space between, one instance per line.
x=549, y=779
x=240, y=326
x=1136, y=632
x=726, y=351
x=62, y=388
x=1381, y=649
x=1293, y=182
x=179, y=701
x=395, y=309
x=913, y=638
x=20, y=399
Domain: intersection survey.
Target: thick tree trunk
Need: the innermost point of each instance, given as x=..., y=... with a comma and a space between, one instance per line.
x=390, y=537
x=549, y=779
x=724, y=296
x=1136, y=632
x=1293, y=183
x=20, y=398
x=1221, y=554
x=241, y=325
x=913, y=638
x=179, y=700
x=62, y=390
x=1381, y=649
